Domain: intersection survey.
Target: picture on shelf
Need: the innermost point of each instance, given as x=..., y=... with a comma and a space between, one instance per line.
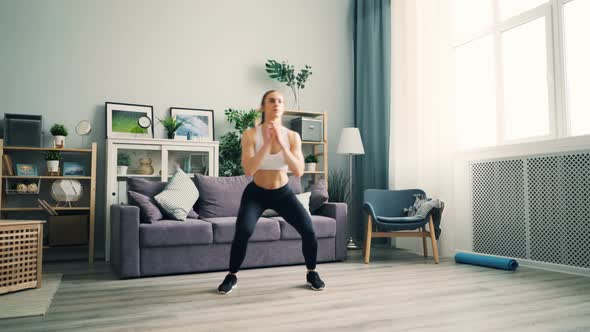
x=123, y=120
x=73, y=169
x=198, y=125
x=26, y=170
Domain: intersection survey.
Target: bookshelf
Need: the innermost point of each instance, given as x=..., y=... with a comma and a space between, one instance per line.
x=13, y=205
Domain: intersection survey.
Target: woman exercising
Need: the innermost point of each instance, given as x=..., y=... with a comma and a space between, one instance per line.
x=268, y=151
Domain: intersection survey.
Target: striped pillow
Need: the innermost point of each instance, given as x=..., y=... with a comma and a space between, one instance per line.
x=179, y=196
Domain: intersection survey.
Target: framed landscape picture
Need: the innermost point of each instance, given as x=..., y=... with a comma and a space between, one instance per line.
x=129, y=120
x=198, y=125
x=73, y=169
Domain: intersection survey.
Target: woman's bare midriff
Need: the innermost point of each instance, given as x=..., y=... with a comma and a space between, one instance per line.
x=270, y=179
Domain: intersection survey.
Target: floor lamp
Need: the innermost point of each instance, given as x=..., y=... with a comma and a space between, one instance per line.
x=351, y=144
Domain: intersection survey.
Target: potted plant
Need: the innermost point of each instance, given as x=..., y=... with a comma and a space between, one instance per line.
x=230, y=148
x=59, y=133
x=285, y=73
x=310, y=162
x=171, y=125
x=52, y=158
x=123, y=162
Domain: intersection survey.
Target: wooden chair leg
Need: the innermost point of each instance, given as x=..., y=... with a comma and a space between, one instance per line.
x=424, y=246
x=368, y=240
x=433, y=239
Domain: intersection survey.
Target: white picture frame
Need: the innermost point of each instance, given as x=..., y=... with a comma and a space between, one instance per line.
x=199, y=123
x=121, y=120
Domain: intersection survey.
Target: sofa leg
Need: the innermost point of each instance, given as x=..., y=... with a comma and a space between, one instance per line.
x=424, y=246
x=433, y=239
x=368, y=240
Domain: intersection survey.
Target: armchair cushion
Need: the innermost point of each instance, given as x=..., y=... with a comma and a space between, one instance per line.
x=400, y=220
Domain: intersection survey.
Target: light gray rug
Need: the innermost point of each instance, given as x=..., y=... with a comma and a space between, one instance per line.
x=30, y=302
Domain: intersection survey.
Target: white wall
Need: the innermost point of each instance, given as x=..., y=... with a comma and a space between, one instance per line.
x=64, y=58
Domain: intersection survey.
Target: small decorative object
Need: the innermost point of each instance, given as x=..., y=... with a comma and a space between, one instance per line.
x=64, y=192
x=123, y=162
x=285, y=73
x=21, y=188
x=26, y=170
x=73, y=169
x=83, y=129
x=171, y=125
x=145, y=166
x=32, y=188
x=310, y=162
x=59, y=133
x=128, y=120
x=53, y=158
x=197, y=123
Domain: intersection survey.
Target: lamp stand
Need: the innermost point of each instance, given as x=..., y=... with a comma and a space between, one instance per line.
x=350, y=245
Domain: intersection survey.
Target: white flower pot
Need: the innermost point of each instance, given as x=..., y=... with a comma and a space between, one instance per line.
x=122, y=170
x=310, y=167
x=59, y=141
x=52, y=165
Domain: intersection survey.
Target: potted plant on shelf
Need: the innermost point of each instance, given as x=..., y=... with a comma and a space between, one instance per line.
x=123, y=162
x=310, y=162
x=53, y=158
x=59, y=133
x=171, y=125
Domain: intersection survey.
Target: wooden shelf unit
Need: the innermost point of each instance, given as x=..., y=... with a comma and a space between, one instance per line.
x=92, y=189
x=320, y=149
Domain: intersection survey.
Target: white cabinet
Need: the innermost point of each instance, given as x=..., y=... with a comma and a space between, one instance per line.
x=154, y=159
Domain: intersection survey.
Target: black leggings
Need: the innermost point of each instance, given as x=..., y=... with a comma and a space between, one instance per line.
x=254, y=201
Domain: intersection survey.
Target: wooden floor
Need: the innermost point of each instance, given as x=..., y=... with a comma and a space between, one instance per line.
x=397, y=291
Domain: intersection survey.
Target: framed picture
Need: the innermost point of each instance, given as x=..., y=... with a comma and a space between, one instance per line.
x=26, y=170
x=73, y=169
x=198, y=125
x=129, y=120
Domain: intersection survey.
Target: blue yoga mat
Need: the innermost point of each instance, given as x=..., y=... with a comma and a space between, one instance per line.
x=487, y=261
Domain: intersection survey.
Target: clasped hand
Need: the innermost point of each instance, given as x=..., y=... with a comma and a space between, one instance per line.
x=270, y=133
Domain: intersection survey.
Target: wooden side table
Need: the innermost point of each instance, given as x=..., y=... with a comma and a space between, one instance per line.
x=21, y=254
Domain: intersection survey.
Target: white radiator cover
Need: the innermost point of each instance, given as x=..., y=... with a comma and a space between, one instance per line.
x=533, y=207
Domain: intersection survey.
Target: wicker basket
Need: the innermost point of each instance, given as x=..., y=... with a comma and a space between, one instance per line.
x=21, y=254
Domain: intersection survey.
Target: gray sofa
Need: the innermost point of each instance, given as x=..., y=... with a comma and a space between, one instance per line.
x=198, y=245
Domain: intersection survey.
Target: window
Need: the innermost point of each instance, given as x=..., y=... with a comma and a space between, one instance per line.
x=576, y=18
x=525, y=45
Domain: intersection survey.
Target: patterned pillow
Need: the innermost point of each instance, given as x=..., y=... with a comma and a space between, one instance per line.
x=149, y=211
x=179, y=196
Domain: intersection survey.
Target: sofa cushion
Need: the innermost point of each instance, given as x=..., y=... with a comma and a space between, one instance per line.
x=179, y=196
x=149, y=189
x=324, y=227
x=224, y=229
x=303, y=199
x=175, y=233
x=319, y=195
x=219, y=196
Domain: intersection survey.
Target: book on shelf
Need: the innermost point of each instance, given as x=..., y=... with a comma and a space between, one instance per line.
x=7, y=166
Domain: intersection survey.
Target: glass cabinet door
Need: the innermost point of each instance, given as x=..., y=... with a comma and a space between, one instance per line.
x=192, y=160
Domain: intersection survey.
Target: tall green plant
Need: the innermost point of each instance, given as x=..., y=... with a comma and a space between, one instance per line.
x=338, y=188
x=285, y=73
x=230, y=148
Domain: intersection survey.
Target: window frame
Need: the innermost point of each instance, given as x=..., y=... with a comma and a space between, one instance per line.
x=559, y=119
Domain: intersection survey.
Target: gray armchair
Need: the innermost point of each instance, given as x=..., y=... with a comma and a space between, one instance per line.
x=385, y=208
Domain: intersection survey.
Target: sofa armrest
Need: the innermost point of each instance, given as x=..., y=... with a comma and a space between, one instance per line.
x=338, y=211
x=125, y=240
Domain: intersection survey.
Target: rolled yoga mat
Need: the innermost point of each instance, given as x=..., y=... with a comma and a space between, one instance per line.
x=487, y=261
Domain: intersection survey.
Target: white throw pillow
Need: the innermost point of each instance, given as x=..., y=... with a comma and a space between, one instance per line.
x=303, y=198
x=179, y=196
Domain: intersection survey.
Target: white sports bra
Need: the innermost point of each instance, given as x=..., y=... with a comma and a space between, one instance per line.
x=272, y=161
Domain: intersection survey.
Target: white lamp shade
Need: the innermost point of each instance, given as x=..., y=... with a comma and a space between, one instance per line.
x=350, y=142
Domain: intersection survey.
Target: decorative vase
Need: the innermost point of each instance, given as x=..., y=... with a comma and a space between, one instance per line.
x=171, y=135
x=122, y=170
x=145, y=166
x=310, y=167
x=53, y=165
x=59, y=141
